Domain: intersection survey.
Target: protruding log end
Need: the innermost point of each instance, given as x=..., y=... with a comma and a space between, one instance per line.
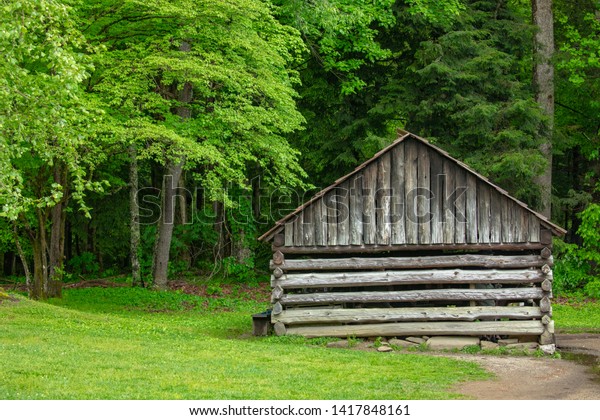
x=545, y=305
x=280, y=328
x=546, y=253
x=547, y=285
x=277, y=272
x=277, y=308
x=277, y=294
x=278, y=258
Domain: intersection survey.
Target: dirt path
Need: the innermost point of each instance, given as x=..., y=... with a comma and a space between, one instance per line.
x=530, y=378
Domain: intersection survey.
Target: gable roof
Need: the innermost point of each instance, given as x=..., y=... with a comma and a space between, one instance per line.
x=404, y=138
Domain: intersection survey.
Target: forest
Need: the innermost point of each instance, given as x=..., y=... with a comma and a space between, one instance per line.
x=149, y=141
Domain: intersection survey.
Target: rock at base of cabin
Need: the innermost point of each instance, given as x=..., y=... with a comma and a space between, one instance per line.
x=401, y=343
x=362, y=345
x=416, y=340
x=341, y=344
x=384, y=349
x=548, y=349
x=507, y=341
x=522, y=346
x=451, y=342
x=488, y=345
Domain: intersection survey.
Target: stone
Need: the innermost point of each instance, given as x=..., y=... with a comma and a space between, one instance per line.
x=362, y=345
x=384, y=349
x=451, y=342
x=523, y=346
x=506, y=341
x=341, y=344
x=488, y=345
x=401, y=343
x=548, y=349
x=416, y=340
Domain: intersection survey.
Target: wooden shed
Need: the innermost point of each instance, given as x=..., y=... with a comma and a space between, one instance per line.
x=412, y=242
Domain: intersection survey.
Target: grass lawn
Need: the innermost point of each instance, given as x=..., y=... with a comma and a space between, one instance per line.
x=577, y=316
x=123, y=343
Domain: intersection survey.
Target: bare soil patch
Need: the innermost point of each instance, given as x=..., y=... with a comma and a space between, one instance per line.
x=530, y=378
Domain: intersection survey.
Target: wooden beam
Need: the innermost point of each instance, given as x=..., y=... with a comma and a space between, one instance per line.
x=356, y=211
x=333, y=249
x=397, y=185
x=383, y=200
x=391, y=278
x=441, y=261
x=368, y=194
x=421, y=328
x=381, y=315
x=415, y=296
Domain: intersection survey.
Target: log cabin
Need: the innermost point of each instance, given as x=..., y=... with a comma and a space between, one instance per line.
x=412, y=242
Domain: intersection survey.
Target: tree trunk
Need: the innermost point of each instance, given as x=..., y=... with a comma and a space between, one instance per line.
x=57, y=235
x=134, y=220
x=39, y=285
x=543, y=81
x=22, y=256
x=164, y=231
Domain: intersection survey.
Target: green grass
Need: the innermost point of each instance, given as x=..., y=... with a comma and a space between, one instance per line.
x=124, y=343
x=577, y=316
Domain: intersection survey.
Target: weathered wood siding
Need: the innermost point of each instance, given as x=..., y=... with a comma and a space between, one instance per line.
x=412, y=195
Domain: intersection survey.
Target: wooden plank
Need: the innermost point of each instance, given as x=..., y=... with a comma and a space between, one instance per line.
x=506, y=220
x=438, y=178
x=471, y=210
x=483, y=213
x=320, y=221
x=398, y=196
x=449, y=210
x=410, y=192
x=424, y=196
x=534, y=228
x=289, y=234
x=298, y=230
x=515, y=221
x=415, y=296
x=460, y=215
x=369, y=218
x=391, y=278
x=382, y=199
x=356, y=211
x=439, y=261
x=421, y=328
x=495, y=217
x=331, y=208
x=368, y=249
x=308, y=225
x=524, y=221
x=343, y=203
x=380, y=315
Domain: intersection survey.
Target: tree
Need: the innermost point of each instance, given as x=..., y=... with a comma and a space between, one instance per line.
x=206, y=86
x=543, y=80
x=48, y=146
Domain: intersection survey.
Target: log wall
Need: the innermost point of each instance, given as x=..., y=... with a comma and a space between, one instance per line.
x=465, y=294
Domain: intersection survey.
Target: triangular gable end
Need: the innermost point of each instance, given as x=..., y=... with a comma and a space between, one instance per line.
x=411, y=193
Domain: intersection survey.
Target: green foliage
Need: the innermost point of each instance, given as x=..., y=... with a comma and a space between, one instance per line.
x=577, y=266
x=85, y=263
x=464, y=89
